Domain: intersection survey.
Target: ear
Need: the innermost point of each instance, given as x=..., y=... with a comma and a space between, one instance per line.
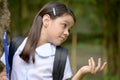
x=46, y=19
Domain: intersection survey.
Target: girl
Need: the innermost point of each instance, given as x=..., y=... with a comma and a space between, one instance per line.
x=34, y=58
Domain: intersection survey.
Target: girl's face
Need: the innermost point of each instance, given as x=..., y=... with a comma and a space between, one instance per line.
x=58, y=29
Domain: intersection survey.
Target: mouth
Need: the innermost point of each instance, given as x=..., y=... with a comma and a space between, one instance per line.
x=63, y=39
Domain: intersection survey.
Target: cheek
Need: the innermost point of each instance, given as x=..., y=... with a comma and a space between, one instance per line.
x=51, y=32
x=55, y=33
x=57, y=30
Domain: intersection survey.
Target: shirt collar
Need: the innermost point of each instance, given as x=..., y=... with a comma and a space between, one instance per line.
x=46, y=50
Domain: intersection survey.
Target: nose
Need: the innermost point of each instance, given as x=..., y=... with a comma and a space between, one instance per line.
x=66, y=32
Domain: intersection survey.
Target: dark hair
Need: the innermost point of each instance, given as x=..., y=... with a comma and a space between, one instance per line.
x=35, y=31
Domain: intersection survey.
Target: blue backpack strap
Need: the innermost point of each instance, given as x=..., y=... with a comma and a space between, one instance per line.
x=59, y=63
x=14, y=44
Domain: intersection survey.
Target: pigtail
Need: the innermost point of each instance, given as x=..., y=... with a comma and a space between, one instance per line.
x=32, y=41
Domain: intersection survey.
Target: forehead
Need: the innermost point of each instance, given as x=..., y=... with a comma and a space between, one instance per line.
x=66, y=18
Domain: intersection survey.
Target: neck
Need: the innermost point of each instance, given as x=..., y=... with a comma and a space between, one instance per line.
x=42, y=39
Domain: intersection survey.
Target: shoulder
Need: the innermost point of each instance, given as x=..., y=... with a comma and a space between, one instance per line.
x=17, y=44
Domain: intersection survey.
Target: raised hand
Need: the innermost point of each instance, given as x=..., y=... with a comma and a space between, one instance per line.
x=91, y=68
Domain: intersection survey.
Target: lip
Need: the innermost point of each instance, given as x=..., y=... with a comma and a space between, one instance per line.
x=63, y=38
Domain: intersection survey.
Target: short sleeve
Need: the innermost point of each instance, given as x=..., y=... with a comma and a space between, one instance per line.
x=3, y=57
x=68, y=71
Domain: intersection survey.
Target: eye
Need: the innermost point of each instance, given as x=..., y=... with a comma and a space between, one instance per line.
x=64, y=25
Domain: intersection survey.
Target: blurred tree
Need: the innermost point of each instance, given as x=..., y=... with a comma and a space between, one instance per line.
x=4, y=21
x=22, y=15
x=4, y=24
x=71, y=4
x=111, y=34
x=23, y=12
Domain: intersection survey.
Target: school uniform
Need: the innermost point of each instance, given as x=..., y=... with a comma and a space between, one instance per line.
x=41, y=69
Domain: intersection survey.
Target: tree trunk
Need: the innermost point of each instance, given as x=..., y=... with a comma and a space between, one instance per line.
x=4, y=22
x=118, y=56
x=74, y=51
x=74, y=44
x=111, y=34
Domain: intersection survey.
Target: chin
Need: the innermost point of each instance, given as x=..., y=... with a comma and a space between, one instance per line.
x=57, y=44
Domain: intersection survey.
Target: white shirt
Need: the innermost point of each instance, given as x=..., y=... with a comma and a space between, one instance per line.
x=41, y=69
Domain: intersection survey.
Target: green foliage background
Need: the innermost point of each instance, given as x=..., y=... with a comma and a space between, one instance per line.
x=86, y=11
x=92, y=18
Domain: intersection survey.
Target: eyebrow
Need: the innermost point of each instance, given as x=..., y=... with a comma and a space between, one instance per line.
x=67, y=22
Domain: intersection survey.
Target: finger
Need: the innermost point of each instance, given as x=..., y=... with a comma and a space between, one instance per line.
x=98, y=66
x=89, y=63
x=93, y=65
x=103, y=66
x=88, y=68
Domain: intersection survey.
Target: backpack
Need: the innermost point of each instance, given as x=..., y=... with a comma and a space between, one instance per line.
x=59, y=60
